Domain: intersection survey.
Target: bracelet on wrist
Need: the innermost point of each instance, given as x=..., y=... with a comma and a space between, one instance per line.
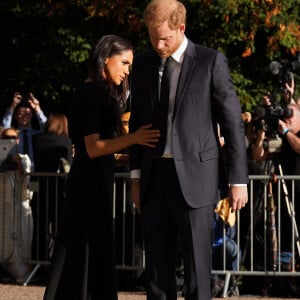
x=285, y=131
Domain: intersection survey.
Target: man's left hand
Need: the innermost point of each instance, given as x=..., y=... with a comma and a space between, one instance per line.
x=238, y=197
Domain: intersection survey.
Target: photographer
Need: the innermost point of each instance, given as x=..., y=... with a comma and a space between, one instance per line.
x=288, y=157
x=289, y=129
x=27, y=116
x=9, y=117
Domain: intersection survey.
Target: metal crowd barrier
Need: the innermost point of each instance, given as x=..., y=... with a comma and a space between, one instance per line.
x=261, y=227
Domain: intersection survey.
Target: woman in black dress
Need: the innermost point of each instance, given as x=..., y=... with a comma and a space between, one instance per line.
x=83, y=265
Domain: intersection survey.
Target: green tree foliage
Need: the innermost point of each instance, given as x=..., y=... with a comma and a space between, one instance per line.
x=45, y=43
x=251, y=34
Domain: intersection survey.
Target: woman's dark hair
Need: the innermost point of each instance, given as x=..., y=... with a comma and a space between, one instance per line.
x=108, y=46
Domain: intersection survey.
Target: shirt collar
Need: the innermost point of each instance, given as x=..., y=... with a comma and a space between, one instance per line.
x=179, y=53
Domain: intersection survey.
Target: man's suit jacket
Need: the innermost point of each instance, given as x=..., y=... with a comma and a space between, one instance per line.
x=205, y=96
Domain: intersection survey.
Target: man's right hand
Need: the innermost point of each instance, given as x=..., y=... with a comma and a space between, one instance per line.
x=15, y=101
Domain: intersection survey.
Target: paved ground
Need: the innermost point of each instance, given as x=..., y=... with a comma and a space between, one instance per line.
x=36, y=287
x=17, y=292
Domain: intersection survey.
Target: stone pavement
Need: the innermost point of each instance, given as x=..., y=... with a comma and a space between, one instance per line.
x=30, y=292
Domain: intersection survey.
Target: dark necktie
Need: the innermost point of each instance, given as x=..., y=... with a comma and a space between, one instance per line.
x=163, y=107
x=25, y=142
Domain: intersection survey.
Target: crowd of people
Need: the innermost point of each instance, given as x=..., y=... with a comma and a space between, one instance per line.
x=187, y=148
x=41, y=144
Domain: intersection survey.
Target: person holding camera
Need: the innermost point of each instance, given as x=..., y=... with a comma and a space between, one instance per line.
x=27, y=116
x=288, y=129
x=8, y=119
x=287, y=157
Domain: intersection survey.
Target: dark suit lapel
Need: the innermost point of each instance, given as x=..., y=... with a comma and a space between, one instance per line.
x=153, y=77
x=154, y=96
x=185, y=75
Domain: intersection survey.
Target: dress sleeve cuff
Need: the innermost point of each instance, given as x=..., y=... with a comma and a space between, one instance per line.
x=135, y=173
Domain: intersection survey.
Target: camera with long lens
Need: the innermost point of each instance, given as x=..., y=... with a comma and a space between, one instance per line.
x=267, y=118
x=283, y=72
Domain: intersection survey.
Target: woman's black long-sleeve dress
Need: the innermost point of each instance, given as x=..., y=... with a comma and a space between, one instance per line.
x=83, y=265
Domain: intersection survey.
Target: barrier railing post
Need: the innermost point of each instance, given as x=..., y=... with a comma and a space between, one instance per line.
x=248, y=263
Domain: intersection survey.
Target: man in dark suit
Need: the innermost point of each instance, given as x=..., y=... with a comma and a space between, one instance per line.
x=177, y=190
